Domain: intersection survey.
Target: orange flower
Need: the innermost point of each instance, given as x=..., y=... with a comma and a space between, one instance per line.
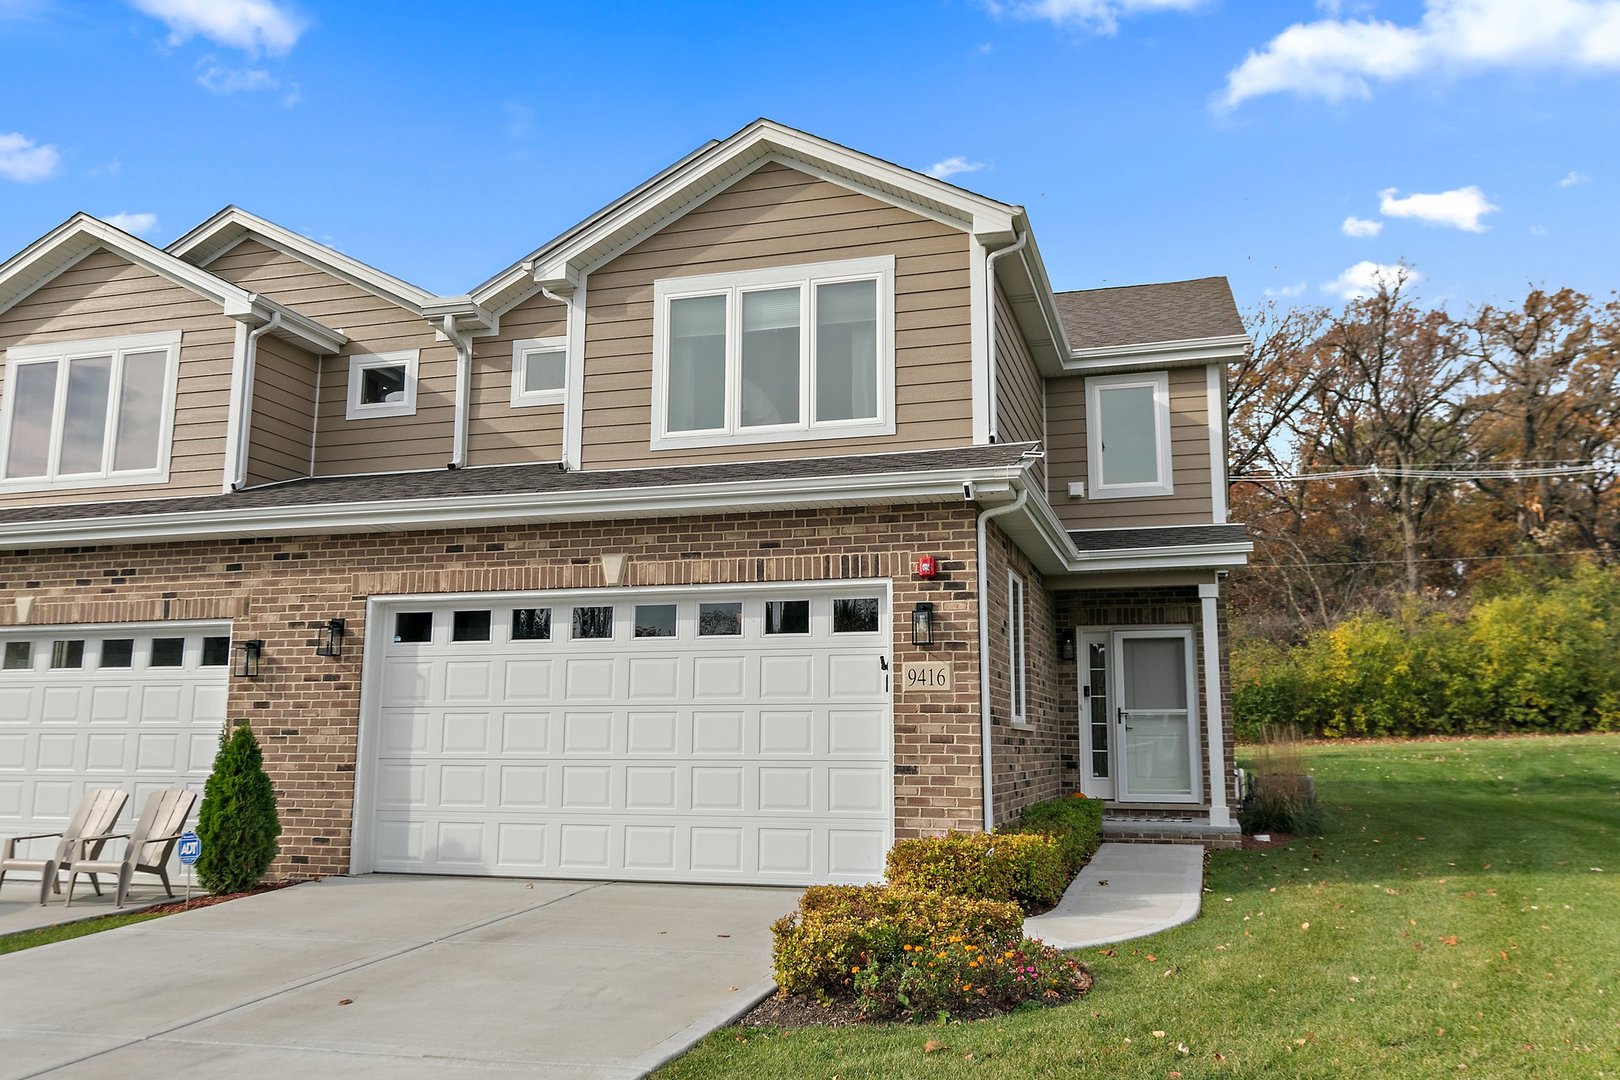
x=854, y=971
x=967, y=986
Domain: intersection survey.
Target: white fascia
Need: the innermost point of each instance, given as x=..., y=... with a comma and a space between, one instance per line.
x=1211, y=350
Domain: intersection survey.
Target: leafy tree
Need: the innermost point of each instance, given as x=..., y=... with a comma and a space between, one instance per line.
x=237, y=823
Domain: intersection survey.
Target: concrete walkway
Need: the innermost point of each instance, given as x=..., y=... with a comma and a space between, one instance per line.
x=1126, y=891
x=20, y=907
x=391, y=976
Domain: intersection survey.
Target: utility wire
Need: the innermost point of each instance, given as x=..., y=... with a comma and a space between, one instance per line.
x=1451, y=472
x=1432, y=559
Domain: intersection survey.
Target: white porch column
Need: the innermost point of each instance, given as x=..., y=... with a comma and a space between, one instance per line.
x=1219, y=813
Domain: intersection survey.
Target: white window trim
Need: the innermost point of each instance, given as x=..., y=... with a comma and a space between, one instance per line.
x=59, y=353
x=359, y=363
x=879, y=268
x=522, y=396
x=1098, y=487
x=1017, y=650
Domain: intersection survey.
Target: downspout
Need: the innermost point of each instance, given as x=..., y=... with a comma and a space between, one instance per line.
x=990, y=318
x=984, y=658
x=250, y=365
x=568, y=305
x=463, y=344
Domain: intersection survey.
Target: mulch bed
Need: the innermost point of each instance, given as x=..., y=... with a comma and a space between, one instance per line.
x=803, y=1011
x=202, y=900
x=1278, y=839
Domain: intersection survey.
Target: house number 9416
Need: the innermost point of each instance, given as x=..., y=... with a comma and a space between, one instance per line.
x=931, y=676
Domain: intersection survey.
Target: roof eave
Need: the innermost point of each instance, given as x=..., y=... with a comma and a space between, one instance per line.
x=1189, y=351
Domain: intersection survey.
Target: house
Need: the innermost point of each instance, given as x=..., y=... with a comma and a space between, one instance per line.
x=778, y=510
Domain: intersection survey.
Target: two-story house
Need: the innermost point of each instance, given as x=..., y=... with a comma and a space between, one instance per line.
x=778, y=510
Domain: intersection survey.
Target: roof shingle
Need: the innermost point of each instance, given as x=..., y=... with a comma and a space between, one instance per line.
x=1142, y=314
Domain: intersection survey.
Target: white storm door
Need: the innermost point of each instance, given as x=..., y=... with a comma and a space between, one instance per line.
x=1096, y=716
x=1157, y=742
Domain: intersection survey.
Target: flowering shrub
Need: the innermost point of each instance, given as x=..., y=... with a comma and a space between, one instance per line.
x=958, y=975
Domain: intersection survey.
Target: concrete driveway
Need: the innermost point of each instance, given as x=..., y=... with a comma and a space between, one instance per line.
x=442, y=977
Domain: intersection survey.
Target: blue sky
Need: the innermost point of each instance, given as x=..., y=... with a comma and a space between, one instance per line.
x=1479, y=140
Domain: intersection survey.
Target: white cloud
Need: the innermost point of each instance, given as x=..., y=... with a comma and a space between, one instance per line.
x=1285, y=291
x=138, y=224
x=23, y=160
x=219, y=78
x=1361, y=228
x=1574, y=178
x=1364, y=278
x=1101, y=16
x=1460, y=208
x=253, y=26
x=942, y=170
x=1338, y=58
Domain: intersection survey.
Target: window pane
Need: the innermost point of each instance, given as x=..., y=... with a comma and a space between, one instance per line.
x=697, y=363
x=413, y=627
x=593, y=622
x=531, y=624
x=1015, y=641
x=19, y=655
x=655, y=620
x=140, y=411
x=168, y=652
x=787, y=617
x=770, y=357
x=1130, y=453
x=846, y=350
x=120, y=652
x=382, y=385
x=469, y=626
x=719, y=620
x=84, y=425
x=216, y=652
x=67, y=654
x=855, y=616
x=30, y=449
x=544, y=369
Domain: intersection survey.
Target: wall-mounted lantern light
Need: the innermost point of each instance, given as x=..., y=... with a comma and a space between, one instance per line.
x=1066, y=644
x=247, y=658
x=331, y=639
x=922, y=624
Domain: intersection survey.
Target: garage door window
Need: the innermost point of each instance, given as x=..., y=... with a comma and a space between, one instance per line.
x=119, y=652
x=168, y=652
x=531, y=624
x=593, y=623
x=787, y=616
x=719, y=620
x=655, y=620
x=470, y=626
x=413, y=627
x=216, y=651
x=67, y=654
x=858, y=616
x=19, y=655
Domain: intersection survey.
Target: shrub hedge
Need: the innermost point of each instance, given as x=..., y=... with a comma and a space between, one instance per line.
x=1025, y=868
x=1074, y=823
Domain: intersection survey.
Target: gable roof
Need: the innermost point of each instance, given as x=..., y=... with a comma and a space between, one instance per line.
x=1147, y=314
x=81, y=234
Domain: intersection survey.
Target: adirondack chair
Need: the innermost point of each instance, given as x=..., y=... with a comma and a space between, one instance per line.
x=97, y=812
x=149, y=845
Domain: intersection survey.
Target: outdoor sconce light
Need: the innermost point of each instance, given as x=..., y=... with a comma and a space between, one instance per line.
x=247, y=659
x=332, y=643
x=922, y=624
x=1066, y=645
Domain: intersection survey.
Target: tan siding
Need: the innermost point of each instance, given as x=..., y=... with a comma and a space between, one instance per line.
x=1020, y=391
x=374, y=325
x=777, y=216
x=498, y=434
x=283, y=423
x=1189, y=451
x=104, y=295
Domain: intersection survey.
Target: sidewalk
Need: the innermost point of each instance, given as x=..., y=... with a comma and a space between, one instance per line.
x=1126, y=891
x=20, y=909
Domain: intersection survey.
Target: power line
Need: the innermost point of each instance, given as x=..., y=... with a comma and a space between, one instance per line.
x=1450, y=472
x=1433, y=559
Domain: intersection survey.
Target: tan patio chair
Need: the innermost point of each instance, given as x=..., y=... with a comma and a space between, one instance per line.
x=151, y=841
x=97, y=812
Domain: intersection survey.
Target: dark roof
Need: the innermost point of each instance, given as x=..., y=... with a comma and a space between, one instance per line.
x=1167, y=536
x=1141, y=314
x=526, y=480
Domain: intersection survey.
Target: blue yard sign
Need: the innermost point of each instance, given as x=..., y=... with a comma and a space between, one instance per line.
x=190, y=847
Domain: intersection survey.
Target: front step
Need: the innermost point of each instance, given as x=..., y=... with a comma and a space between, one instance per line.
x=1145, y=830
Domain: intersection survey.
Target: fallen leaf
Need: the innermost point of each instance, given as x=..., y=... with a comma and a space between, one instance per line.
x=1158, y=1034
x=1104, y=881
x=346, y=1001
x=722, y=935
x=1449, y=939
x=1304, y=926
x=1181, y=1048
x=967, y=1057
x=528, y=885
x=1151, y=958
x=733, y=989
x=932, y=1045
x=1220, y=1058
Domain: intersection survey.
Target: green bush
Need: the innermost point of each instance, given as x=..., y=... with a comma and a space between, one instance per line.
x=1074, y=823
x=840, y=927
x=956, y=977
x=237, y=822
x=1025, y=868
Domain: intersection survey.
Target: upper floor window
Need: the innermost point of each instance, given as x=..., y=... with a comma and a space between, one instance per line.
x=383, y=384
x=539, y=371
x=87, y=413
x=1128, y=435
x=795, y=352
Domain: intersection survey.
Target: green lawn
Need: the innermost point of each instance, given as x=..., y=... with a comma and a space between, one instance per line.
x=27, y=939
x=1462, y=915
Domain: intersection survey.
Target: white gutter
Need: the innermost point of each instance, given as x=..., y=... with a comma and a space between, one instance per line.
x=984, y=656
x=990, y=321
x=464, y=348
x=244, y=427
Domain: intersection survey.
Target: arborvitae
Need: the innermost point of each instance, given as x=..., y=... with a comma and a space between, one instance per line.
x=237, y=823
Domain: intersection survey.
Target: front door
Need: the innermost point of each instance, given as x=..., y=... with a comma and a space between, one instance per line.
x=1155, y=740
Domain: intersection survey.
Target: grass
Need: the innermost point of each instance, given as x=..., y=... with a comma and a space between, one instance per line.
x=28, y=939
x=1460, y=916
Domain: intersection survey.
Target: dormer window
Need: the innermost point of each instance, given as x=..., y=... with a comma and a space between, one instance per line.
x=796, y=352
x=88, y=413
x=383, y=384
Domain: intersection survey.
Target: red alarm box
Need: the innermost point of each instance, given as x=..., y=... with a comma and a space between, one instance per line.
x=927, y=566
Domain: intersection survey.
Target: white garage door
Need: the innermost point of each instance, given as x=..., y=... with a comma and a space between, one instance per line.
x=138, y=707
x=737, y=736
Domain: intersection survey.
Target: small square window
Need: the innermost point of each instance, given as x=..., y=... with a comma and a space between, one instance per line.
x=593, y=622
x=120, y=652
x=19, y=655
x=67, y=654
x=719, y=620
x=168, y=652
x=539, y=371
x=413, y=627
x=531, y=624
x=858, y=616
x=787, y=616
x=1128, y=451
x=655, y=620
x=216, y=652
x=469, y=626
x=382, y=385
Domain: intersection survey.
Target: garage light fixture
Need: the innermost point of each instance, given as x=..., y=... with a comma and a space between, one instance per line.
x=247, y=658
x=922, y=624
x=332, y=643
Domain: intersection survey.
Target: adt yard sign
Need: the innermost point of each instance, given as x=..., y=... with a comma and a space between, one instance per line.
x=190, y=847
